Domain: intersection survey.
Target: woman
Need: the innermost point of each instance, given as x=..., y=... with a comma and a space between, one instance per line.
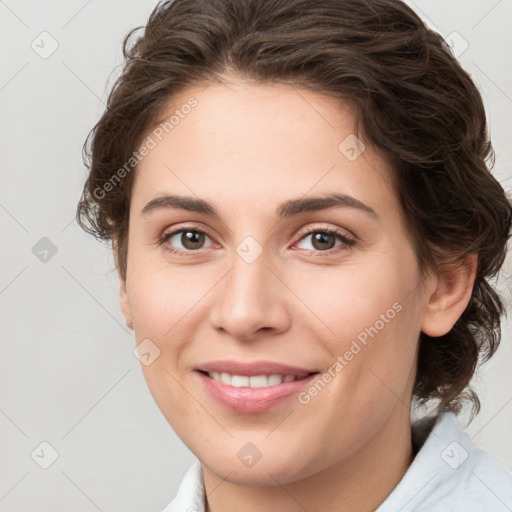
x=304, y=223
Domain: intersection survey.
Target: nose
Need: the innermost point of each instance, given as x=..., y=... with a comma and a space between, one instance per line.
x=251, y=301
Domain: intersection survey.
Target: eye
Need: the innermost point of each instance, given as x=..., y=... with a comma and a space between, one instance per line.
x=323, y=240
x=191, y=240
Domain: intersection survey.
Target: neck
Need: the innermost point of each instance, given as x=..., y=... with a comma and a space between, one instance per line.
x=360, y=482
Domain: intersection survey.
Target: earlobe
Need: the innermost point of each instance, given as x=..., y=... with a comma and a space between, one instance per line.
x=450, y=298
x=125, y=304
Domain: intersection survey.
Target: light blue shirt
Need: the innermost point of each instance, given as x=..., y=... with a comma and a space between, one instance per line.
x=448, y=474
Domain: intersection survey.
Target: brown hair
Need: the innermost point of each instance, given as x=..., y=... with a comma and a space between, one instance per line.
x=413, y=99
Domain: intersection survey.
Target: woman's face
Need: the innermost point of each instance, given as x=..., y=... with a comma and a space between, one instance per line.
x=278, y=275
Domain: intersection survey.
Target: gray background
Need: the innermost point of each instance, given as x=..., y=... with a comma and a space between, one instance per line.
x=68, y=373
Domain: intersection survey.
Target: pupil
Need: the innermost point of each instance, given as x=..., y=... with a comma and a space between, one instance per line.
x=320, y=239
x=192, y=239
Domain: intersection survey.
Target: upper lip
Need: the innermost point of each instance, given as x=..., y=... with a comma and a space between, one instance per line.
x=254, y=368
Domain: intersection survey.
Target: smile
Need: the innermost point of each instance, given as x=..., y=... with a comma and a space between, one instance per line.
x=255, y=393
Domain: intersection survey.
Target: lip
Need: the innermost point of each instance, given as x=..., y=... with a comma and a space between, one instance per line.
x=254, y=368
x=253, y=400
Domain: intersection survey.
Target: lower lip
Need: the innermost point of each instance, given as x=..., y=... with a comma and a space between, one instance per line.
x=252, y=400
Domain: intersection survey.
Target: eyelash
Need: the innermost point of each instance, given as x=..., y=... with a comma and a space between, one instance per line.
x=348, y=242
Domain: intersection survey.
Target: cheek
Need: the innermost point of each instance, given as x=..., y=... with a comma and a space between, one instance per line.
x=185, y=415
x=162, y=298
x=164, y=307
x=349, y=299
x=373, y=323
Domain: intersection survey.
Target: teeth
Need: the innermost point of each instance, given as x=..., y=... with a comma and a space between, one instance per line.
x=239, y=380
x=255, y=381
x=274, y=380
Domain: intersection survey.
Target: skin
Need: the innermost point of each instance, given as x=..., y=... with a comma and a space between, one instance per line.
x=246, y=148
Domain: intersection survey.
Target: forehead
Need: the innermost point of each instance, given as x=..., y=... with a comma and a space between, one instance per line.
x=255, y=145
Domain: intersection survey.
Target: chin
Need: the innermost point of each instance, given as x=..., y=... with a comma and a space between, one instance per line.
x=279, y=467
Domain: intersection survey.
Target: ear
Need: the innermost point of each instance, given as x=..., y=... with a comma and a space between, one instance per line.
x=450, y=297
x=125, y=304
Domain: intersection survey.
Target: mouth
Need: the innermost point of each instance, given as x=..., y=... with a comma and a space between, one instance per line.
x=255, y=387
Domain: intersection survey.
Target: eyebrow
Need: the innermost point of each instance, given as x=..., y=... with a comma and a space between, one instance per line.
x=287, y=209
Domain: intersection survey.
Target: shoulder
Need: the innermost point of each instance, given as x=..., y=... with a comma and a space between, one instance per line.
x=450, y=473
